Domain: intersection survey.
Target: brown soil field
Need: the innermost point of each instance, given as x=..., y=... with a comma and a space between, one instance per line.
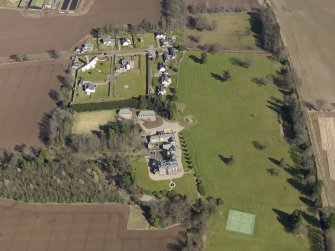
x=31, y=35
x=321, y=131
x=327, y=132
x=308, y=30
x=24, y=99
x=77, y=227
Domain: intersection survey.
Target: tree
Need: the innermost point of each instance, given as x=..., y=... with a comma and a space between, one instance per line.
x=162, y=23
x=203, y=59
x=226, y=76
x=330, y=221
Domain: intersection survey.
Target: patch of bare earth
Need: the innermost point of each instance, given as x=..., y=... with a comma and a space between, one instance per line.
x=308, y=29
x=77, y=227
x=24, y=99
x=31, y=35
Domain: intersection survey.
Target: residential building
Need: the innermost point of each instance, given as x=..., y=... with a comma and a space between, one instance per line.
x=125, y=113
x=147, y=115
x=165, y=79
x=90, y=64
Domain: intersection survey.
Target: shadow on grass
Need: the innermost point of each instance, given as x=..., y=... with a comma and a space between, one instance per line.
x=216, y=77
x=308, y=202
x=311, y=219
x=195, y=59
x=284, y=219
x=274, y=161
x=298, y=185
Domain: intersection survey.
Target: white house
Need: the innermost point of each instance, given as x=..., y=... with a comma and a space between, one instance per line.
x=89, y=88
x=165, y=80
x=91, y=64
x=160, y=35
x=125, y=41
x=108, y=41
x=162, y=90
x=162, y=67
x=126, y=64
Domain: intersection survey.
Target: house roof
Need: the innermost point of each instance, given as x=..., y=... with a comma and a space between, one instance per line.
x=146, y=113
x=165, y=77
x=89, y=86
x=125, y=111
x=125, y=61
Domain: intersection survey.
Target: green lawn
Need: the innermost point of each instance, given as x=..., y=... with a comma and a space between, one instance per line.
x=229, y=117
x=8, y=3
x=149, y=39
x=135, y=79
x=36, y=4
x=233, y=32
x=185, y=185
x=99, y=74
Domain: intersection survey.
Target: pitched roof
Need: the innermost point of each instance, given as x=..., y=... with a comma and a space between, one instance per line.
x=146, y=113
x=125, y=111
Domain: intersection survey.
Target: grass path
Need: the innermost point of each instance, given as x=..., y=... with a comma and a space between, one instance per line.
x=230, y=116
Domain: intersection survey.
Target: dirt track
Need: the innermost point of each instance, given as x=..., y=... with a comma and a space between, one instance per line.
x=24, y=98
x=20, y=34
x=308, y=29
x=76, y=227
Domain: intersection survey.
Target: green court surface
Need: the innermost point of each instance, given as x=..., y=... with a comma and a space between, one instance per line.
x=240, y=222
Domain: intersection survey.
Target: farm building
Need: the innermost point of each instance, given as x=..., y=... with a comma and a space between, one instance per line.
x=161, y=138
x=125, y=113
x=147, y=115
x=90, y=64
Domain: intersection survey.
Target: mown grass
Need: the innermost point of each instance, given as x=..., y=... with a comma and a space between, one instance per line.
x=230, y=115
x=135, y=79
x=99, y=74
x=85, y=122
x=185, y=185
x=233, y=32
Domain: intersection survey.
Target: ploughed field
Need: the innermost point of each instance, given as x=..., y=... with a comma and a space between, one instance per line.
x=21, y=34
x=308, y=28
x=76, y=227
x=24, y=99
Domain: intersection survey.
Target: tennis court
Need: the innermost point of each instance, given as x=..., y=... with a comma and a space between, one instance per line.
x=240, y=222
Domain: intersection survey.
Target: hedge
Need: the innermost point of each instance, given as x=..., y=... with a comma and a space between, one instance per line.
x=88, y=107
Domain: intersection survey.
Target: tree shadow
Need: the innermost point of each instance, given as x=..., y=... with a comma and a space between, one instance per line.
x=274, y=161
x=239, y=62
x=226, y=160
x=216, y=77
x=284, y=219
x=298, y=185
x=307, y=201
x=259, y=81
x=256, y=26
x=44, y=129
x=311, y=219
x=273, y=171
x=195, y=59
x=54, y=95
